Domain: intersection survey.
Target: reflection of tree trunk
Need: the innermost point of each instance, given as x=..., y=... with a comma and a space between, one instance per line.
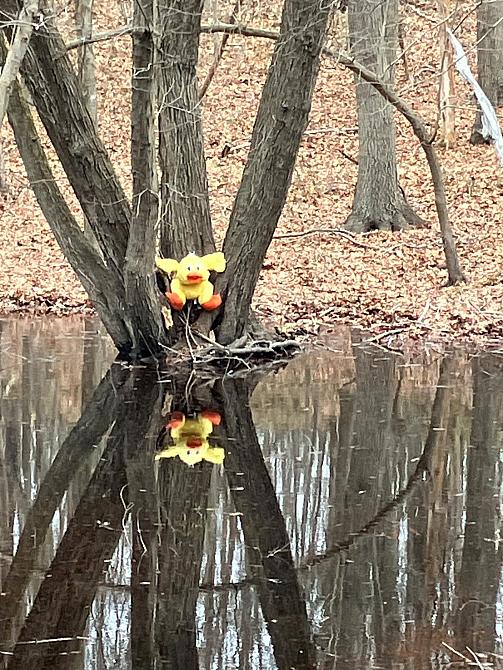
x=183, y=494
x=482, y=553
x=266, y=537
x=80, y=443
x=426, y=542
x=63, y=600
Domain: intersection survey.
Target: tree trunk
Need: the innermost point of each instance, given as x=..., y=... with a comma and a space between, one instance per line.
x=120, y=276
x=378, y=201
x=489, y=59
x=185, y=215
x=281, y=120
x=4, y=184
x=87, y=70
x=446, y=86
x=142, y=295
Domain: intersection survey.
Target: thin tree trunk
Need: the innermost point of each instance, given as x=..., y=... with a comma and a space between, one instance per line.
x=489, y=58
x=378, y=202
x=185, y=215
x=281, y=121
x=446, y=86
x=4, y=184
x=142, y=295
x=87, y=69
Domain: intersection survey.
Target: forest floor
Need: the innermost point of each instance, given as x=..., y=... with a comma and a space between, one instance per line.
x=314, y=277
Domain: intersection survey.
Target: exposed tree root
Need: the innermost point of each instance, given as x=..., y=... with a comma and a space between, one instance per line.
x=245, y=354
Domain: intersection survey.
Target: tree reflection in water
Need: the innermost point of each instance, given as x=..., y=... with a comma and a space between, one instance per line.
x=351, y=520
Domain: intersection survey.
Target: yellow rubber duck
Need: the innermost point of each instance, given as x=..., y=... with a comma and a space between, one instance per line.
x=190, y=437
x=191, y=279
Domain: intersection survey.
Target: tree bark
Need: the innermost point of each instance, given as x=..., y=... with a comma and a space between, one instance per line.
x=378, y=201
x=185, y=216
x=489, y=59
x=142, y=295
x=281, y=120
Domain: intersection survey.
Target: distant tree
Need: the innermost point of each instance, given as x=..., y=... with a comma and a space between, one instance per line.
x=489, y=58
x=119, y=276
x=379, y=202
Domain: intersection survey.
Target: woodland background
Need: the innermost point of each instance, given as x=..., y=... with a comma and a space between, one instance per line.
x=389, y=283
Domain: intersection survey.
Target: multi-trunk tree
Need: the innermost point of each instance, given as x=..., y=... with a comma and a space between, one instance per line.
x=170, y=192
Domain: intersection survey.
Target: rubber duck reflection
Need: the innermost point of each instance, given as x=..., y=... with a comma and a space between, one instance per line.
x=190, y=438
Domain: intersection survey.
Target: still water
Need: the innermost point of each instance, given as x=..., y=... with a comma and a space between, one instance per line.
x=344, y=512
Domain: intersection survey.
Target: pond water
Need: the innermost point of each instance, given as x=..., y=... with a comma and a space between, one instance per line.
x=344, y=512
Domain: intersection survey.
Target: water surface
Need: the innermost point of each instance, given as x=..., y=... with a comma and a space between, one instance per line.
x=345, y=512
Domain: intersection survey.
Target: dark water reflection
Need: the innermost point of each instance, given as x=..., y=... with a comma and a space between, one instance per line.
x=345, y=512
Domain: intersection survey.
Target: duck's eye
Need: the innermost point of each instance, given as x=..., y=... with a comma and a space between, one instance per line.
x=188, y=452
x=189, y=268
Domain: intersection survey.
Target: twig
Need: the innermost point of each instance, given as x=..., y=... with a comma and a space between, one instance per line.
x=330, y=231
x=380, y=336
x=458, y=653
x=476, y=658
x=15, y=55
x=219, y=53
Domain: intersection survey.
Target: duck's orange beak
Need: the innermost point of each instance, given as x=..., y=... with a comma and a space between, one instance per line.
x=194, y=442
x=195, y=277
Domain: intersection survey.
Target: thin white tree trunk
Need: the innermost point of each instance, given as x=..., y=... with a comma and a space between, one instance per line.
x=15, y=55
